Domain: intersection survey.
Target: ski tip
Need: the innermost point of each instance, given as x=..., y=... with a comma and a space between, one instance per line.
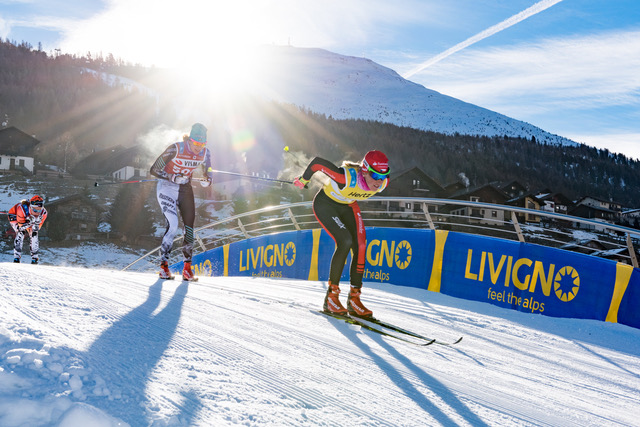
x=458, y=340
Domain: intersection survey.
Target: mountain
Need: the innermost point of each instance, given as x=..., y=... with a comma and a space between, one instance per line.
x=346, y=87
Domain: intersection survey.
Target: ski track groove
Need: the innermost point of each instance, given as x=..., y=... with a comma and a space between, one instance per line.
x=249, y=356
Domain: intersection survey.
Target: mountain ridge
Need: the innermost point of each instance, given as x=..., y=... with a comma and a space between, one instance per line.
x=347, y=87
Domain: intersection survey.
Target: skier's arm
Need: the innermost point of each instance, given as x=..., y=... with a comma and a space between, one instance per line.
x=321, y=165
x=13, y=217
x=42, y=217
x=157, y=169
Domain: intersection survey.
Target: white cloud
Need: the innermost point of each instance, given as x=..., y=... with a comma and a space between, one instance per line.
x=579, y=72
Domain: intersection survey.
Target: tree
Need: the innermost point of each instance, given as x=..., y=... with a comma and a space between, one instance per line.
x=130, y=214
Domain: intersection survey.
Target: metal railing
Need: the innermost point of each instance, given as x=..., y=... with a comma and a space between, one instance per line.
x=552, y=229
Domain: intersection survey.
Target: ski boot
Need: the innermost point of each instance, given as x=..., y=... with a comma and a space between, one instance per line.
x=16, y=260
x=355, y=306
x=187, y=274
x=34, y=260
x=332, y=301
x=165, y=273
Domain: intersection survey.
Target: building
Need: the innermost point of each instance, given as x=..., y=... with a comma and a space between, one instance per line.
x=75, y=218
x=527, y=201
x=17, y=151
x=480, y=214
x=411, y=183
x=116, y=163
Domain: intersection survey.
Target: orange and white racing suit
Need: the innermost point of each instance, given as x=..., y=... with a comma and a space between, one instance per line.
x=24, y=223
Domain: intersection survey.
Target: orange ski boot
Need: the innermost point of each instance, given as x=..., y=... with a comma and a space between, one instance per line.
x=187, y=274
x=165, y=273
x=332, y=301
x=355, y=306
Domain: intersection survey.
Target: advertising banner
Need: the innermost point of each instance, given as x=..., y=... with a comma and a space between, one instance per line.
x=510, y=274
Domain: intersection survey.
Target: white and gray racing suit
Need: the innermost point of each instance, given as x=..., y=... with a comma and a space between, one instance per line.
x=174, y=192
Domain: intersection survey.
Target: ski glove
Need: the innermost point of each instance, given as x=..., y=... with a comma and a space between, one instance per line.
x=24, y=227
x=205, y=182
x=300, y=182
x=179, y=178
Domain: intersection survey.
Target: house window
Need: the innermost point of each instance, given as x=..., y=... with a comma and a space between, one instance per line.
x=408, y=206
x=494, y=214
x=474, y=198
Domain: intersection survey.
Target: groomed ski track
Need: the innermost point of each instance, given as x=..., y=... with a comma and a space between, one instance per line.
x=254, y=351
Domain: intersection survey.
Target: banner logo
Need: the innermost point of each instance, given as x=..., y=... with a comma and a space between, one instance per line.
x=379, y=253
x=524, y=274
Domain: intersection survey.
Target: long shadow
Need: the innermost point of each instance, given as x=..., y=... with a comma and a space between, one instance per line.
x=126, y=353
x=410, y=390
x=607, y=359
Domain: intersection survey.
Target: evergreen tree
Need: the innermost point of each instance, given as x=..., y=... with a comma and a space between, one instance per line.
x=130, y=214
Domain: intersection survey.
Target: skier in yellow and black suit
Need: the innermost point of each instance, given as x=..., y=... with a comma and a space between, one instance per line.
x=336, y=208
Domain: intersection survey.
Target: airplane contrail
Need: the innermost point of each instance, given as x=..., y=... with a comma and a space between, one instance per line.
x=533, y=10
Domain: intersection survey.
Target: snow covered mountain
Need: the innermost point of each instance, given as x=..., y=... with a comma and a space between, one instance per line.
x=347, y=87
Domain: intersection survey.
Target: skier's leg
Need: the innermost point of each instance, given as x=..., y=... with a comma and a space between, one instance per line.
x=167, y=195
x=329, y=213
x=35, y=247
x=17, y=245
x=186, y=204
x=359, y=238
x=358, y=234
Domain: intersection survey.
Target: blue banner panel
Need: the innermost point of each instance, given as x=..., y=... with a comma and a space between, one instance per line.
x=276, y=255
x=520, y=276
x=629, y=312
x=399, y=256
x=527, y=277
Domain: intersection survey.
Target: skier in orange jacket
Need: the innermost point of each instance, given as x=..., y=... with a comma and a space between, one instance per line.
x=27, y=218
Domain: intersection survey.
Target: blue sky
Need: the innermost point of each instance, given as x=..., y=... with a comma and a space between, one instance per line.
x=567, y=66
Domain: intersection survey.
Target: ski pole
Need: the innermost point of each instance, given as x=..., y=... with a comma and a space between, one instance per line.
x=96, y=184
x=252, y=177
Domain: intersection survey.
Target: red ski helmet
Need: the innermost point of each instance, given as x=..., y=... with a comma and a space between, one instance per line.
x=36, y=205
x=376, y=161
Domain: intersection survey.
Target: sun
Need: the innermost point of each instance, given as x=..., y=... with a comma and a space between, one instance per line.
x=211, y=42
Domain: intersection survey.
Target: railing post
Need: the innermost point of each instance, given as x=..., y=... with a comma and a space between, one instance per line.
x=516, y=225
x=632, y=251
x=201, y=243
x=241, y=225
x=425, y=209
x=293, y=219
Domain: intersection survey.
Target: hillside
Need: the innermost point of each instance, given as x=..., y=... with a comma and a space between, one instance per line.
x=319, y=103
x=116, y=348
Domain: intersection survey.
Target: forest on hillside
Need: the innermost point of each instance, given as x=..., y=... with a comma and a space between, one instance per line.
x=575, y=171
x=69, y=108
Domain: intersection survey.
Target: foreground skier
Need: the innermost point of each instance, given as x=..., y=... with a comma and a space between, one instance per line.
x=174, y=192
x=27, y=218
x=336, y=208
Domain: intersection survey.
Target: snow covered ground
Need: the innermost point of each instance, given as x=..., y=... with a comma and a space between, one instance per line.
x=90, y=346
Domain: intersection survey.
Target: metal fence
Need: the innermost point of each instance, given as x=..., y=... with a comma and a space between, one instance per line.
x=588, y=236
